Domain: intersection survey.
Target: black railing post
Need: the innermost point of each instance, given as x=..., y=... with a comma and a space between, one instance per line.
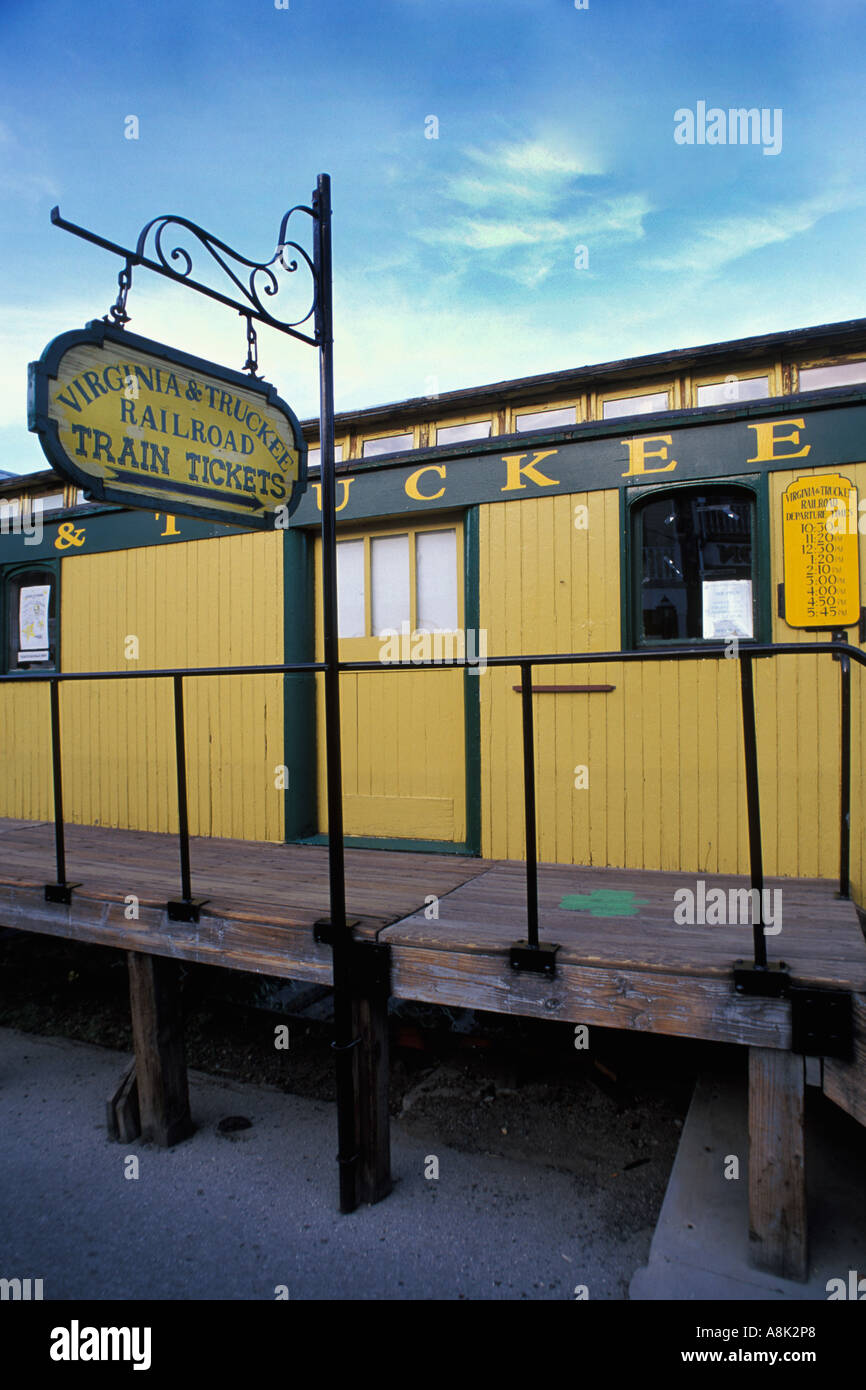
x=187, y=909
x=750, y=743
x=61, y=891
x=336, y=931
x=845, y=783
x=528, y=954
x=529, y=807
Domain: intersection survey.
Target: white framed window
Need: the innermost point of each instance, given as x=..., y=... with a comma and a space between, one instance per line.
x=388, y=444
x=388, y=581
x=51, y=502
x=314, y=458
x=546, y=419
x=635, y=405
x=455, y=434
x=351, y=619
x=750, y=388
x=834, y=374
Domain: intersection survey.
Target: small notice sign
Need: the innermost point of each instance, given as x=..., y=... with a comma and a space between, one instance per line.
x=820, y=543
x=727, y=608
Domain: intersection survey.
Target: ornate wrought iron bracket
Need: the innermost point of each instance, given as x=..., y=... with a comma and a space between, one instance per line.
x=256, y=281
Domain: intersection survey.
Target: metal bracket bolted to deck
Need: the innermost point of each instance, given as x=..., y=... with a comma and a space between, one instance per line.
x=822, y=1022
x=771, y=981
x=60, y=892
x=323, y=930
x=185, y=911
x=540, y=959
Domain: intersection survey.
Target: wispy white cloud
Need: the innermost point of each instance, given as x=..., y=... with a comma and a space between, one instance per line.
x=710, y=245
x=530, y=200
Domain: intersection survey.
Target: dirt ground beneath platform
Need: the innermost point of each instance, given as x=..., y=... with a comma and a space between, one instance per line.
x=610, y=1114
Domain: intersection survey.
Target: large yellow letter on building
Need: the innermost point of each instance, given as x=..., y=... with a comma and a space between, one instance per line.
x=411, y=487
x=639, y=451
x=767, y=439
x=516, y=471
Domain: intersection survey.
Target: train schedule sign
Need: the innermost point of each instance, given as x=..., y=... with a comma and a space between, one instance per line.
x=822, y=575
x=135, y=422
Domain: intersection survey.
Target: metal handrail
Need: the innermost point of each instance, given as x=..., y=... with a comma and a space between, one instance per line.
x=746, y=652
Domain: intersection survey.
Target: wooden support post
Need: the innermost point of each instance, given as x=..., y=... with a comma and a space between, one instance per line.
x=160, y=1063
x=777, y=1169
x=123, y=1119
x=371, y=1025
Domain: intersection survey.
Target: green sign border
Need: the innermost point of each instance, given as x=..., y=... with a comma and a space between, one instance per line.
x=97, y=333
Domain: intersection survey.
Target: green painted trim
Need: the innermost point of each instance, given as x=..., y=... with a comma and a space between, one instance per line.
x=299, y=691
x=9, y=572
x=471, y=687
x=386, y=842
x=758, y=485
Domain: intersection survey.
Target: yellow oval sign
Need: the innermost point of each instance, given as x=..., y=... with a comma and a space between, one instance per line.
x=135, y=422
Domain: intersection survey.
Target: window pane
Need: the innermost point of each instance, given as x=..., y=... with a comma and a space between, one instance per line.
x=453, y=434
x=840, y=374
x=695, y=552
x=31, y=623
x=753, y=388
x=314, y=458
x=436, y=580
x=635, y=405
x=391, y=444
x=350, y=588
x=546, y=419
x=389, y=577
x=52, y=502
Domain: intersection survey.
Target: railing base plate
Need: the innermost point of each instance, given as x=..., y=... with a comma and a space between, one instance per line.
x=185, y=911
x=60, y=892
x=771, y=981
x=540, y=960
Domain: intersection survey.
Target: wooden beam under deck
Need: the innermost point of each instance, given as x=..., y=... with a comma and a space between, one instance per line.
x=635, y=970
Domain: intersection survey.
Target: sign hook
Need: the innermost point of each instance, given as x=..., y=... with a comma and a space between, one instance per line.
x=117, y=313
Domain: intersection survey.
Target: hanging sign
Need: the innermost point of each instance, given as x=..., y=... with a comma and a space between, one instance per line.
x=821, y=552
x=135, y=422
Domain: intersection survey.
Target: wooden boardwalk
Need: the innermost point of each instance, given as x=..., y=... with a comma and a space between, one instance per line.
x=449, y=922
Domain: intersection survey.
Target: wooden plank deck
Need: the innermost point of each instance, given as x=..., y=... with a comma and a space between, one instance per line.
x=623, y=962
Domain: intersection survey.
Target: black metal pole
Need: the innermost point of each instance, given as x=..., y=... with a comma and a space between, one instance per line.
x=845, y=781
x=750, y=743
x=56, y=761
x=347, y=1111
x=182, y=814
x=529, y=805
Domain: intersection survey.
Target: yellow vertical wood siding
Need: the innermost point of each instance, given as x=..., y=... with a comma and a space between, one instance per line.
x=196, y=603
x=664, y=750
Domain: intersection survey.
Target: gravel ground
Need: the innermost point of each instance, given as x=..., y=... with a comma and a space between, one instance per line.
x=477, y=1084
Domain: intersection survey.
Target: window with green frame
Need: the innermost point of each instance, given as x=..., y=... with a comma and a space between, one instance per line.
x=29, y=600
x=694, y=556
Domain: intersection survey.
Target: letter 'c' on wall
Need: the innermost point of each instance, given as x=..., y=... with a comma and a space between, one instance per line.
x=411, y=485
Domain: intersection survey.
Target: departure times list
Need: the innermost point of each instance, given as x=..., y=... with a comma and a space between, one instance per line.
x=821, y=552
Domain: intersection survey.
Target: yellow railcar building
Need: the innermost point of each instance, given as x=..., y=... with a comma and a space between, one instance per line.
x=633, y=506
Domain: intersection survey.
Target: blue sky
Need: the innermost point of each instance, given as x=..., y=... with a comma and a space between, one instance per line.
x=454, y=257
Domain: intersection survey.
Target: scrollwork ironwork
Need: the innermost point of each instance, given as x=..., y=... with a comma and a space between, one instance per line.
x=255, y=280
